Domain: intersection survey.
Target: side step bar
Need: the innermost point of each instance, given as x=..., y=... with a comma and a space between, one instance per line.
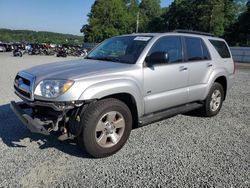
x=157, y=116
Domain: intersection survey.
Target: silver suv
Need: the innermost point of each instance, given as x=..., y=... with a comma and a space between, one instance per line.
x=125, y=82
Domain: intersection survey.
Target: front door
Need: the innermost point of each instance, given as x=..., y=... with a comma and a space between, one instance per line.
x=165, y=84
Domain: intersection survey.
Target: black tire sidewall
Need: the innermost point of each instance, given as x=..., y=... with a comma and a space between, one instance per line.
x=90, y=120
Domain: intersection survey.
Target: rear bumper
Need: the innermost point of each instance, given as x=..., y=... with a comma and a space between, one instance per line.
x=33, y=124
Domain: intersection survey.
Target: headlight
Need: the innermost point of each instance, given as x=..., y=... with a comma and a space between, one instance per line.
x=52, y=88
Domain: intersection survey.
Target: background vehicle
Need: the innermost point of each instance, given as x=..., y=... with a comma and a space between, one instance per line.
x=2, y=48
x=7, y=47
x=17, y=52
x=125, y=82
x=61, y=52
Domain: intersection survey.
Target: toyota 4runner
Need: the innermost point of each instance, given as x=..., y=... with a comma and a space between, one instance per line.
x=125, y=82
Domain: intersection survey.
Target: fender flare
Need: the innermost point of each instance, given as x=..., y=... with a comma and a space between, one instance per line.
x=111, y=87
x=214, y=75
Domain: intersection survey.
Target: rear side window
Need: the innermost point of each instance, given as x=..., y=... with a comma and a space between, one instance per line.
x=221, y=48
x=196, y=49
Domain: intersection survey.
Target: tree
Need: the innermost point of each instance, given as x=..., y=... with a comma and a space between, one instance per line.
x=107, y=18
x=216, y=21
x=132, y=13
x=212, y=16
x=149, y=10
x=181, y=15
x=114, y=17
x=239, y=32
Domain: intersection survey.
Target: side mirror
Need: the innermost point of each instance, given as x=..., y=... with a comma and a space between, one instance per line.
x=157, y=58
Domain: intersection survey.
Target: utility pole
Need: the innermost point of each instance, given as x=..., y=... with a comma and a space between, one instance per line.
x=137, y=22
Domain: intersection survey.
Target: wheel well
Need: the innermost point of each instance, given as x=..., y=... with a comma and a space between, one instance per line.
x=223, y=81
x=130, y=102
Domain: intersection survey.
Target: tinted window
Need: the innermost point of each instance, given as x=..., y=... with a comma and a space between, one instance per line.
x=170, y=45
x=206, y=54
x=195, y=49
x=221, y=48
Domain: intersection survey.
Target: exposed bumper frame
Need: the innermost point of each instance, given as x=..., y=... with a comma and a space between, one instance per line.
x=33, y=124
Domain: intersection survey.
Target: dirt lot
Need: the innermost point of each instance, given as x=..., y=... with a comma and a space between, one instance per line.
x=182, y=151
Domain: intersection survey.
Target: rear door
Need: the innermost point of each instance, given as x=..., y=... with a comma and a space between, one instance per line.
x=165, y=84
x=200, y=67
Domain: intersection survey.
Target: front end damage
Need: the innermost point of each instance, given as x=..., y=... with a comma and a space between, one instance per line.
x=46, y=117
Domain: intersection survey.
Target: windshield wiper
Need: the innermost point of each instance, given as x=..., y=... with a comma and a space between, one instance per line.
x=113, y=59
x=90, y=58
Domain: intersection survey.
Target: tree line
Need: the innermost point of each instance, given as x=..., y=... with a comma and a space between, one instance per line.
x=7, y=35
x=223, y=18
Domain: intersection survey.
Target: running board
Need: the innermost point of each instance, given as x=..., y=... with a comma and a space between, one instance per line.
x=157, y=116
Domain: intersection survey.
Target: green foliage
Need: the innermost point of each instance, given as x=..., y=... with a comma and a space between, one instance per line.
x=212, y=16
x=132, y=9
x=181, y=15
x=150, y=10
x=239, y=32
x=107, y=18
x=114, y=17
x=7, y=35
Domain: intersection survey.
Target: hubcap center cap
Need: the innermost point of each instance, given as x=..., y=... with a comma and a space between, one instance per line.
x=110, y=128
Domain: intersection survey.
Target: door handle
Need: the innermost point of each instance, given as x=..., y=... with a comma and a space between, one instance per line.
x=182, y=68
x=209, y=65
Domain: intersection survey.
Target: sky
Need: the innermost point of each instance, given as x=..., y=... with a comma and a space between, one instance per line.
x=62, y=16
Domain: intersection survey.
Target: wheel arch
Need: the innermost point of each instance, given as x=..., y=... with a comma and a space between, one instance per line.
x=129, y=100
x=219, y=76
x=223, y=81
x=123, y=90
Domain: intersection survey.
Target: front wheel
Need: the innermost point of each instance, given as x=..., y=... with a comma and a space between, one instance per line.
x=214, y=100
x=106, y=126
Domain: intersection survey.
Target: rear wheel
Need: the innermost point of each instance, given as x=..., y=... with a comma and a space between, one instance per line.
x=214, y=100
x=106, y=126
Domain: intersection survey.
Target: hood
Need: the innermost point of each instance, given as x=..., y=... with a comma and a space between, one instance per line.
x=75, y=69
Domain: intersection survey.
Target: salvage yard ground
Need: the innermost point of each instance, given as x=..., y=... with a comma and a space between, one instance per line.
x=183, y=151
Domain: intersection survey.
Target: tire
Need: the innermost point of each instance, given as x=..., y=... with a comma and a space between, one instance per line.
x=214, y=100
x=106, y=126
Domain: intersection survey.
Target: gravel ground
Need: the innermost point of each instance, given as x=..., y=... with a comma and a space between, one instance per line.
x=183, y=151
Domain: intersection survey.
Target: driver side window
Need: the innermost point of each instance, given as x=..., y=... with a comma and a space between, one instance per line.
x=171, y=45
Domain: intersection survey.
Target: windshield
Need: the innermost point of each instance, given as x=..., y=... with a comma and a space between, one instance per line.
x=123, y=49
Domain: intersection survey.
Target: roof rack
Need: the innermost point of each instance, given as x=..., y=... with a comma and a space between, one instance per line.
x=193, y=32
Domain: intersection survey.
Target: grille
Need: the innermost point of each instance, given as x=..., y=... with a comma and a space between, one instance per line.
x=24, y=84
x=23, y=93
x=25, y=81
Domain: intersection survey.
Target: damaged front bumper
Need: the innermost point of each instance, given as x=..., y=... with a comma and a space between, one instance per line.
x=45, y=117
x=35, y=125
